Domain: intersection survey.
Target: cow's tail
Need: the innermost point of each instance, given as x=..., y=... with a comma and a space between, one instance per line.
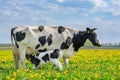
x=14, y=48
x=13, y=39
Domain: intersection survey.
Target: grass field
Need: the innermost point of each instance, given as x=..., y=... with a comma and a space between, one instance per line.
x=85, y=65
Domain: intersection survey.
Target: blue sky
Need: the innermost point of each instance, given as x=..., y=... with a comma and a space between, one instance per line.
x=77, y=14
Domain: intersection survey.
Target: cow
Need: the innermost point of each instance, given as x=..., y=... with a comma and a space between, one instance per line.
x=37, y=38
x=45, y=57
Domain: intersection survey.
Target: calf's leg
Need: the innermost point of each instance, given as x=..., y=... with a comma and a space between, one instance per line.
x=57, y=63
x=65, y=61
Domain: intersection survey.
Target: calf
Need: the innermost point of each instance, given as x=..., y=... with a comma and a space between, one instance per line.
x=45, y=57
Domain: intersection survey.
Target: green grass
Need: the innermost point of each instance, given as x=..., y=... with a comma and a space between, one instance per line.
x=84, y=65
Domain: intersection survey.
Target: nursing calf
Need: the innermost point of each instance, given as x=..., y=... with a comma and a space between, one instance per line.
x=46, y=57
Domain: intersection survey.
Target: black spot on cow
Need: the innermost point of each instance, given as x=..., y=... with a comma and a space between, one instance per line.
x=37, y=62
x=37, y=54
x=79, y=39
x=49, y=39
x=42, y=50
x=42, y=40
x=55, y=54
x=67, y=43
x=20, y=36
x=45, y=58
x=41, y=28
x=61, y=29
x=37, y=46
x=32, y=59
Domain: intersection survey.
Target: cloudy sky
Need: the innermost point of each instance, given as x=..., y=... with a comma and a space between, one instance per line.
x=77, y=14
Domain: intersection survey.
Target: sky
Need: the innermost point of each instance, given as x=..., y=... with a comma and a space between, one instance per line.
x=77, y=14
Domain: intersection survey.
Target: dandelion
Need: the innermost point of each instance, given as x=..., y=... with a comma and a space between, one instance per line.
x=65, y=72
x=118, y=67
x=14, y=74
x=7, y=77
x=96, y=75
x=31, y=75
x=26, y=70
x=112, y=78
x=17, y=70
x=58, y=75
x=12, y=79
x=75, y=78
x=36, y=74
x=55, y=79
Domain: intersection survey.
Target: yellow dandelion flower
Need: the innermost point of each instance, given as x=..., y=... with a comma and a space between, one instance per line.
x=55, y=79
x=36, y=74
x=118, y=67
x=12, y=79
x=7, y=77
x=75, y=78
x=112, y=79
x=31, y=75
x=65, y=72
x=96, y=75
x=17, y=71
x=58, y=74
x=14, y=74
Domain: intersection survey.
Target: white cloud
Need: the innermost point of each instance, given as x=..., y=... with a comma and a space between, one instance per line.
x=99, y=3
x=116, y=2
x=60, y=1
x=111, y=6
x=97, y=19
x=114, y=7
x=78, y=23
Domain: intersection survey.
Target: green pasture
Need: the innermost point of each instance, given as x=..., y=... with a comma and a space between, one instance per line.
x=85, y=65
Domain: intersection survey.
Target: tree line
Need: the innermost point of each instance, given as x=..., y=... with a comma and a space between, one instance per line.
x=116, y=44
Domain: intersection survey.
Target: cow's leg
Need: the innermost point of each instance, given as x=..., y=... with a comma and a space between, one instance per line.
x=16, y=58
x=57, y=63
x=65, y=61
x=22, y=51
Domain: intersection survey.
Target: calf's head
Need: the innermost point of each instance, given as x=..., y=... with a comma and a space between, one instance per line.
x=31, y=58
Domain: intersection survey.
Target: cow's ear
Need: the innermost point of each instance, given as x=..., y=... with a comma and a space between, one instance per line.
x=88, y=30
x=94, y=29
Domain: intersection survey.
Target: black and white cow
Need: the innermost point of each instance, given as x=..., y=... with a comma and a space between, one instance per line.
x=45, y=57
x=36, y=38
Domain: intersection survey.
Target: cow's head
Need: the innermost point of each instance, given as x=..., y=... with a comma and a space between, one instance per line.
x=92, y=36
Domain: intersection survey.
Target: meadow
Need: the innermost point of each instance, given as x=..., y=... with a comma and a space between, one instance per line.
x=93, y=64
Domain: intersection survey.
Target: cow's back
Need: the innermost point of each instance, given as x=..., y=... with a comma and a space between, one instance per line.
x=51, y=33
x=38, y=38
